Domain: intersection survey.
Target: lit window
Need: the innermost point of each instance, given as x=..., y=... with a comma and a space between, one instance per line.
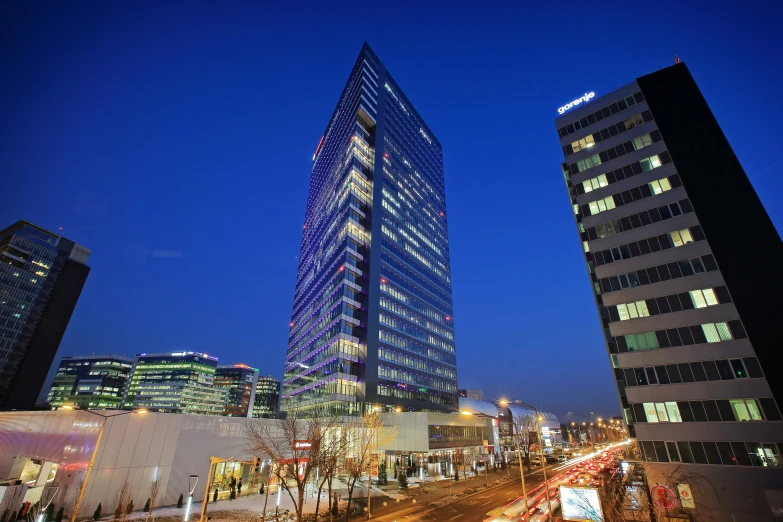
x=703, y=298
x=584, y=143
x=633, y=121
x=673, y=411
x=681, y=237
x=650, y=412
x=661, y=409
x=642, y=141
x=589, y=162
x=601, y=205
x=653, y=162
x=660, y=185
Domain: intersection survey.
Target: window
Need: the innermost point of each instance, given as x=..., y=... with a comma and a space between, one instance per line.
x=716, y=332
x=746, y=409
x=632, y=310
x=588, y=163
x=662, y=412
x=641, y=341
x=601, y=205
x=681, y=237
x=595, y=183
x=633, y=121
x=641, y=142
x=653, y=162
x=703, y=298
x=584, y=143
x=660, y=185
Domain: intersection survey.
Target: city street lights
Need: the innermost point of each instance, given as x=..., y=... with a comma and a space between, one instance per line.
x=589, y=435
x=83, y=488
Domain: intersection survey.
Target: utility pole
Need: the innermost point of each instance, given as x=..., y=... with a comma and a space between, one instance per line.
x=540, y=418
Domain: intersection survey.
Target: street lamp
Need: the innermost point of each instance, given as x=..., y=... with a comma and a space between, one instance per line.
x=83, y=488
x=540, y=419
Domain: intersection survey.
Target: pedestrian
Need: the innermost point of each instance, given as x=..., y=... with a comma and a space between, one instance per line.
x=239, y=487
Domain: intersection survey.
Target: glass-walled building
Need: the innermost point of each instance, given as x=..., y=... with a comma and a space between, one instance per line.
x=180, y=382
x=267, y=398
x=41, y=277
x=239, y=382
x=90, y=382
x=373, y=323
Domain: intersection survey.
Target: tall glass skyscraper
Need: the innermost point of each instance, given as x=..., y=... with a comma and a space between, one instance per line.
x=372, y=325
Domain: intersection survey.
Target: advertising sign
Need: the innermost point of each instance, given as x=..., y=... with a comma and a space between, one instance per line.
x=663, y=497
x=686, y=497
x=300, y=445
x=580, y=504
x=374, y=465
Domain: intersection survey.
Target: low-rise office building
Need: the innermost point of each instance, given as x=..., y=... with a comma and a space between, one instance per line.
x=239, y=382
x=91, y=381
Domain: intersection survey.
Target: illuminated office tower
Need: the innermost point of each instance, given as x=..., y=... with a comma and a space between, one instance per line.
x=684, y=265
x=239, y=381
x=41, y=277
x=372, y=323
x=180, y=382
x=267, y=398
x=90, y=382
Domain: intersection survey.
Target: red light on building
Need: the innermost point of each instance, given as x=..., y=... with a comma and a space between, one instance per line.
x=342, y=268
x=448, y=318
x=383, y=280
x=292, y=324
x=385, y=154
x=442, y=214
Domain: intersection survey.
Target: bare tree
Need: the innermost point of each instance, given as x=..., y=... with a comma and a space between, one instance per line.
x=121, y=499
x=523, y=426
x=293, y=446
x=154, y=490
x=364, y=438
x=331, y=453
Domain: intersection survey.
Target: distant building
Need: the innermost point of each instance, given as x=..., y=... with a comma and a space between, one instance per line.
x=472, y=394
x=239, y=381
x=90, y=382
x=41, y=277
x=180, y=382
x=267, y=400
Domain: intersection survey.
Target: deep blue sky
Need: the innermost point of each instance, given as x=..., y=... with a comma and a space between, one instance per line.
x=175, y=140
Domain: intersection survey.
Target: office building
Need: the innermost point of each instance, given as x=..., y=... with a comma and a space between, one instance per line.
x=372, y=324
x=90, y=382
x=41, y=277
x=239, y=382
x=684, y=265
x=267, y=398
x=472, y=394
x=179, y=382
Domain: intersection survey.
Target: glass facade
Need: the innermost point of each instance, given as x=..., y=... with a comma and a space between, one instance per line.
x=267, y=400
x=182, y=382
x=239, y=382
x=372, y=324
x=90, y=382
x=35, y=265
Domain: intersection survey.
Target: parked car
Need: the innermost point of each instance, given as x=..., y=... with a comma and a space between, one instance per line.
x=551, y=459
x=535, y=460
x=562, y=458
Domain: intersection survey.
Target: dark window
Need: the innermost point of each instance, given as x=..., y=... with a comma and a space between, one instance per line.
x=655, y=216
x=625, y=223
x=697, y=233
x=663, y=305
x=722, y=293
x=698, y=372
x=737, y=331
x=634, y=247
x=665, y=212
x=674, y=301
x=685, y=452
x=713, y=415
x=771, y=411
x=674, y=270
x=724, y=369
x=652, y=273
x=685, y=267
x=674, y=374
x=675, y=209
x=685, y=372
x=741, y=454
x=655, y=246
x=652, y=306
x=697, y=448
x=711, y=449
x=674, y=455
x=645, y=190
x=738, y=369
x=687, y=304
x=663, y=271
x=726, y=455
x=699, y=415
x=663, y=377
x=726, y=413
x=685, y=205
x=698, y=335
x=649, y=451
x=698, y=266
x=651, y=378
x=663, y=341
x=645, y=218
x=641, y=378
x=711, y=370
x=638, y=412
x=644, y=247
x=635, y=221
x=636, y=193
x=685, y=411
x=709, y=262
x=660, y=451
x=674, y=337
x=753, y=367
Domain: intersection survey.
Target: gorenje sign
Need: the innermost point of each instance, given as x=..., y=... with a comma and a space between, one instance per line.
x=588, y=96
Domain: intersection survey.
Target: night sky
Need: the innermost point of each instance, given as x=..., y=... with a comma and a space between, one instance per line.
x=175, y=140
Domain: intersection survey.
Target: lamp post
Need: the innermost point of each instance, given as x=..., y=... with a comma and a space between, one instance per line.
x=83, y=488
x=540, y=419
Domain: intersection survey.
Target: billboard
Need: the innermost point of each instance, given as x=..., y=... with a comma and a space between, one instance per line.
x=580, y=504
